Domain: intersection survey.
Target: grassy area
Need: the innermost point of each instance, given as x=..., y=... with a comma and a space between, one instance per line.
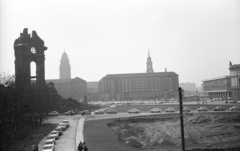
x=165, y=106
x=35, y=136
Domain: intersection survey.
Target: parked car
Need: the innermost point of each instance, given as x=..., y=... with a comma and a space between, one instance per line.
x=49, y=142
x=69, y=112
x=133, y=111
x=48, y=148
x=63, y=125
x=53, y=113
x=219, y=108
x=156, y=110
x=99, y=112
x=54, y=133
x=85, y=112
x=235, y=108
x=66, y=122
x=112, y=111
x=51, y=138
x=59, y=130
x=203, y=108
x=186, y=109
x=170, y=109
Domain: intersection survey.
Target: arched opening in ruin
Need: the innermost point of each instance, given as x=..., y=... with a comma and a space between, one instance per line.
x=33, y=72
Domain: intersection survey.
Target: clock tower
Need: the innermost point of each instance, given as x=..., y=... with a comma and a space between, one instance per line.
x=29, y=48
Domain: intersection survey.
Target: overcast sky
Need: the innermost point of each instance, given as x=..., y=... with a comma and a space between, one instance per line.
x=194, y=38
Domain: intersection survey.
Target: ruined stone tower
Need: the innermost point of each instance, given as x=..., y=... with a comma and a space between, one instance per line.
x=29, y=48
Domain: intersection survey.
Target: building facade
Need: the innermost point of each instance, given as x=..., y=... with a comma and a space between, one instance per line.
x=70, y=88
x=139, y=86
x=218, y=87
x=235, y=81
x=92, y=91
x=189, y=88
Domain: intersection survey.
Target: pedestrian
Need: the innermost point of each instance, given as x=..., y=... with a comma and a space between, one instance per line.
x=36, y=148
x=80, y=146
x=85, y=148
x=33, y=147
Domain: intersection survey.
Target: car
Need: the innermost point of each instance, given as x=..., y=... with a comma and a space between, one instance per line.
x=69, y=112
x=51, y=138
x=59, y=130
x=186, y=109
x=235, y=108
x=66, y=122
x=99, y=112
x=49, y=142
x=203, y=108
x=111, y=111
x=134, y=110
x=155, y=110
x=219, y=108
x=238, y=102
x=48, y=148
x=54, y=133
x=85, y=112
x=170, y=109
x=63, y=125
x=53, y=113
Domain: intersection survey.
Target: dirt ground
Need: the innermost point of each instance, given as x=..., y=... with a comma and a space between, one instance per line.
x=212, y=130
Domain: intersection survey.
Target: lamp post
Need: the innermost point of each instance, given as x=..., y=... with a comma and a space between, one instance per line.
x=181, y=118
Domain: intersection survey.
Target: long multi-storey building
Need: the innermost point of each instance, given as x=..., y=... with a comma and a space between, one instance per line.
x=139, y=86
x=217, y=87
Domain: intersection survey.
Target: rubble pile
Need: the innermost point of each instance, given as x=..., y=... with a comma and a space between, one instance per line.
x=200, y=129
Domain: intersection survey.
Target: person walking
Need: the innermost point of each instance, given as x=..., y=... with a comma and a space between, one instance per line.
x=80, y=146
x=85, y=148
x=33, y=147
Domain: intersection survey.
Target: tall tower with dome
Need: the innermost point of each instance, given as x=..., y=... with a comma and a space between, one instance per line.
x=65, y=68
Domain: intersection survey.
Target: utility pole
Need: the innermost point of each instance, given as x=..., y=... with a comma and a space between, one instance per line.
x=181, y=117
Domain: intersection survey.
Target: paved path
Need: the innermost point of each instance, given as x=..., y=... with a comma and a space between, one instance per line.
x=71, y=136
x=79, y=133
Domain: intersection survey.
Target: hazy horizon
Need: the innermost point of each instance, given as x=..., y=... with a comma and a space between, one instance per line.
x=195, y=39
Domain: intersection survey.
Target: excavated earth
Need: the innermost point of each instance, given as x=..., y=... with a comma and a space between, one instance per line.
x=211, y=130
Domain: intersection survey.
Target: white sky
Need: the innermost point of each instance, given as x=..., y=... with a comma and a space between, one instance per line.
x=194, y=38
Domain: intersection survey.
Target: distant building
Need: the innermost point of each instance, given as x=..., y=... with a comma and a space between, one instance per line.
x=137, y=86
x=70, y=88
x=92, y=91
x=235, y=81
x=188, y=86
x=65, y=68
x=66, y=87
x=218, y=87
